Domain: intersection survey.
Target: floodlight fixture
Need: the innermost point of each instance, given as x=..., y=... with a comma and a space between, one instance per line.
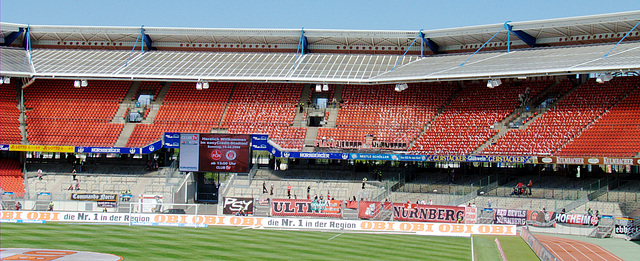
x=76, y=83
x=493, y=83
x=205, y=85
x=605, y=77
x=6, y=80
x=318, y=87
x=199, y=86
x=84, y=83
x=325, y=87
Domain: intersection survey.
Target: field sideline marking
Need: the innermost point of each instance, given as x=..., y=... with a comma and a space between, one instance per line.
x=472, y=255
x=335, y=236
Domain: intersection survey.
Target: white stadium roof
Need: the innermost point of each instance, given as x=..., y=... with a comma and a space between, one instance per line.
x=547, y=47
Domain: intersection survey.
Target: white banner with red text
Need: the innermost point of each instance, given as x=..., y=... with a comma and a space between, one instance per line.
x=444, y=229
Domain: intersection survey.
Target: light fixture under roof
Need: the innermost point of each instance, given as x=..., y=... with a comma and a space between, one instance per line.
x=6, y=80
x=84, y=83
x=205, y=85
x=199, y=86
x=401, y=87
x=325, y=87
x=494, y=83
x=318, y=87
x=604, y=77
x=76, y=83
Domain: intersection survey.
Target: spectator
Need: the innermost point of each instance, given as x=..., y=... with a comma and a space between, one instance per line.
x=51, y=206
x=308, y=191
x=74, y=174
x=289, y=191
x=364, y=181
x=520, y=188
x=562, y=211
x=39, y=174
x=264, y=187
x=77, y=185
x=529, y=186
x=271, y=192
x=18, y=205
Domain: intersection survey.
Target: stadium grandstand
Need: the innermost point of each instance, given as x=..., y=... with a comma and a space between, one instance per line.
x=454, y=117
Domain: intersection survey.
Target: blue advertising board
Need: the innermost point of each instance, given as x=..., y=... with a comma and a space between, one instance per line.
x=119, y=150
x=4, y=147
x=259, y=142
x=171, y=140
x=151, y=147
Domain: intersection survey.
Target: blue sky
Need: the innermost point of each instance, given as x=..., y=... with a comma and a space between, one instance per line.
x=291, y=14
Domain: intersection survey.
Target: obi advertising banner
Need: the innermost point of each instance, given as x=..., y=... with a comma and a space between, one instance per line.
x=209, y=152
x=420, y=228
x=427, y=213
x=306, y=208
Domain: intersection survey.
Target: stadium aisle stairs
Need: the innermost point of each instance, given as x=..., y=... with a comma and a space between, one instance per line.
x=124, y=105
x=309, y=139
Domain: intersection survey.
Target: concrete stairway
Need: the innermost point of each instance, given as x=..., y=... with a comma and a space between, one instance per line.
x=126, y=103
x=310, y=138
x=125, y=134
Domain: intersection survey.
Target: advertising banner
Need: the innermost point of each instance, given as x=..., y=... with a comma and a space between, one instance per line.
x=42, y=148
x=420, y=228
x=427, y=213
x=107, y=204
x=94, y=197
x=368, y=209
x=4, y=147
x=624, y=225
x=259, y=142
x=233, y=206
x=510, y=217
x=119, y=150
x=151, y=147
x=470, y=215
x=541, y=218
x=306, y=208
x=589, y=160
x=171, y=140
x=576, y=219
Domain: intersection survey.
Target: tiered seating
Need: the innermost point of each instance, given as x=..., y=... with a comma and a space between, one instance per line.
x=185, y=109
x=266, y=108
x=64, y=115
x=563, y=122
x=11, y=178
x=9, y=116
x=466, y=122
x=389, y=116
x=615, y=134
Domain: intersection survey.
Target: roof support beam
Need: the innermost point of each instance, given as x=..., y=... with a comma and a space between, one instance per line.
x=433, y=46
x=12, y=37
x=525, y=37
x=147, y=40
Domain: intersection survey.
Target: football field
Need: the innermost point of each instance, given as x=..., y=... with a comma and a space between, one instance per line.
x=236, y=243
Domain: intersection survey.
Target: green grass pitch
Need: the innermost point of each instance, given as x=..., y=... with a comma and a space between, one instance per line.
x=235, y=243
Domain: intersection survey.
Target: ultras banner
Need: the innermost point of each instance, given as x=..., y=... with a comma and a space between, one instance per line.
x=427, y=213
x=368, y=209
x=306, y=208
